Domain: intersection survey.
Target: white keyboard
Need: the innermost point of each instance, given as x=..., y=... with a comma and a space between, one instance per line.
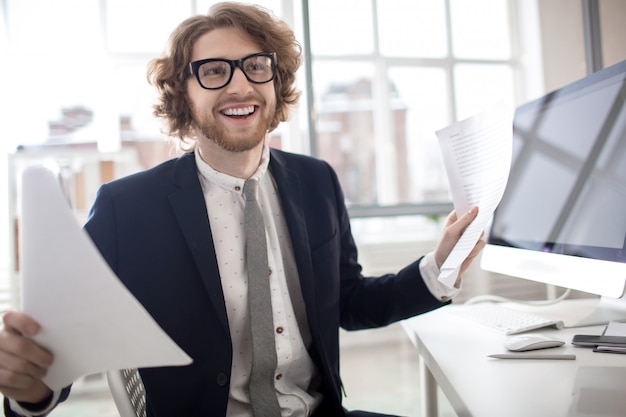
x=503, y=320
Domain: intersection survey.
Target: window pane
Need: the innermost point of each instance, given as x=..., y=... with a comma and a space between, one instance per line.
x=46, y=27
x=414, y=28
x=479, y=86
x=128, y=29
x=134, y=99
x=345, y=125
x=480, y=29
x=420, y=107
x=341, y=27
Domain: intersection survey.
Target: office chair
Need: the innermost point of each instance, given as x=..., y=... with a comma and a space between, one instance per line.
x=128, y=393
x=130, y=398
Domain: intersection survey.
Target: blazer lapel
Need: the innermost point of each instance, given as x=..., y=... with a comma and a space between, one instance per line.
x=290, y=192
x=190, y=209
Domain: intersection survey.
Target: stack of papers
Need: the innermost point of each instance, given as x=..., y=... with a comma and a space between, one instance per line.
x=614, y=328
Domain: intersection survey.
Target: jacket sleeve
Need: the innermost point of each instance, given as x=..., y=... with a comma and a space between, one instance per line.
x=12, y=408
x=368, y=302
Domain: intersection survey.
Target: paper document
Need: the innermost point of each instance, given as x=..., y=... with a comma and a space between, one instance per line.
x=477, y=156
x=89, y=319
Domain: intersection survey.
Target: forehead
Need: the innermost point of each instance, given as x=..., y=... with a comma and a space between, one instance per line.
x=229, y=43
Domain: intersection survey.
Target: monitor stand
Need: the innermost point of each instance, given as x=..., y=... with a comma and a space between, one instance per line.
x=607, y=309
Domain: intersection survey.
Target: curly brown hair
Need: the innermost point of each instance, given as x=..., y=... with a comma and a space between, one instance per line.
x=170, y=72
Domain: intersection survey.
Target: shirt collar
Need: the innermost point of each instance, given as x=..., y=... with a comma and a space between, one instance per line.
x=229, y=182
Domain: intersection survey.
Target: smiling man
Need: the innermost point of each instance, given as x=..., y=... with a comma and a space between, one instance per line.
x=175, y=235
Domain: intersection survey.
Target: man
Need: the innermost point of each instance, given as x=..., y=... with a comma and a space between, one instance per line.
x=174, y=236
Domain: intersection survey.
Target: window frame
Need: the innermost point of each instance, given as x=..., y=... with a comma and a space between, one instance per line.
x=383, y=125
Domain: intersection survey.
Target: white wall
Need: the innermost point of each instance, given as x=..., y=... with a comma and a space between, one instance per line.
x=562, y=38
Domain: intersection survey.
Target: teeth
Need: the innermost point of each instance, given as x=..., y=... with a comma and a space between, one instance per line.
x=241, y=111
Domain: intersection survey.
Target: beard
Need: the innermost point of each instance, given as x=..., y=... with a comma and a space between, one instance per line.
x=228, y=140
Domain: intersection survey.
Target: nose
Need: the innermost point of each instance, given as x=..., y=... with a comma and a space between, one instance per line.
x=239, y=83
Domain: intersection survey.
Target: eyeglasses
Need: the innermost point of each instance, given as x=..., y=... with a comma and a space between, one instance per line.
x=215, y=73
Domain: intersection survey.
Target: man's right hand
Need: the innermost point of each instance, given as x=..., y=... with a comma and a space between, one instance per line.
x=22, y=362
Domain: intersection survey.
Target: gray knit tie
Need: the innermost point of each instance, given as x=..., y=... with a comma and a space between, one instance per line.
x=262, y=392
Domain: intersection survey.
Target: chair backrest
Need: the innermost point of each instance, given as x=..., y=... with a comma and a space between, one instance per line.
x=128, y=392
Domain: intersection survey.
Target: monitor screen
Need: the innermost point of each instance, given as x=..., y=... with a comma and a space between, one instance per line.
x=562, y=219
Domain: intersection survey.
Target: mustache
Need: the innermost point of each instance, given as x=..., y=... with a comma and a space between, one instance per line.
x=237, y=100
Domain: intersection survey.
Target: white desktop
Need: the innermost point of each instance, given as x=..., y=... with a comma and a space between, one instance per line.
x=455, y=358
x=562, y=222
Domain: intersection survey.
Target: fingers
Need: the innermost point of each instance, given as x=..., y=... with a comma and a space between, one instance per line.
x=20, y=323
x=459, y=225
x=15, y=339
x=21, y=355
x=23, y=363
x=452, y=232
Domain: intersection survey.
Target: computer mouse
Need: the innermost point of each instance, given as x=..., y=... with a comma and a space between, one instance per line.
x=521, y=343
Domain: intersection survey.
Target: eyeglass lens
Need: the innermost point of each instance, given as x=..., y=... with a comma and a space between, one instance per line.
x=216, y=74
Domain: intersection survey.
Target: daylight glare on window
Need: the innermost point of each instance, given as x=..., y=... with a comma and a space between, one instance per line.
x=123, y=33
x=341, y=27
x=421, y=94
x=479, y=85
x=480, y=29
x=412, y=28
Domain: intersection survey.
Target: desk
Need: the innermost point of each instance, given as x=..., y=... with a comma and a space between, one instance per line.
x=455, y=351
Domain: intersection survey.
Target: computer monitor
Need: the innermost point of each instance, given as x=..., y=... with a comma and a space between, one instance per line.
x=562, y=219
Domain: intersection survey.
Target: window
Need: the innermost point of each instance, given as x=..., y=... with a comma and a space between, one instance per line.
x=388, y=74
x=385, y=75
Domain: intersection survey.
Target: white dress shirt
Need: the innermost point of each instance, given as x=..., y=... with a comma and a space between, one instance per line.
x=295, y=371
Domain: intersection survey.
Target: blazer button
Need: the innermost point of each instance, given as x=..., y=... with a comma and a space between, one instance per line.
x=222, y=379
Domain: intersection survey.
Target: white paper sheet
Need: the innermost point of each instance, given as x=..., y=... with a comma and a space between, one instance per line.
x=615, y=328
x=477, y=156
x=89, y=319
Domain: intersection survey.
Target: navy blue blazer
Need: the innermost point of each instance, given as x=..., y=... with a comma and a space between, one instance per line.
x=153, y=230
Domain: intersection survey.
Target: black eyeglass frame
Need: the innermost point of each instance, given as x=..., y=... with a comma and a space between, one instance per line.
x=194, y=66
